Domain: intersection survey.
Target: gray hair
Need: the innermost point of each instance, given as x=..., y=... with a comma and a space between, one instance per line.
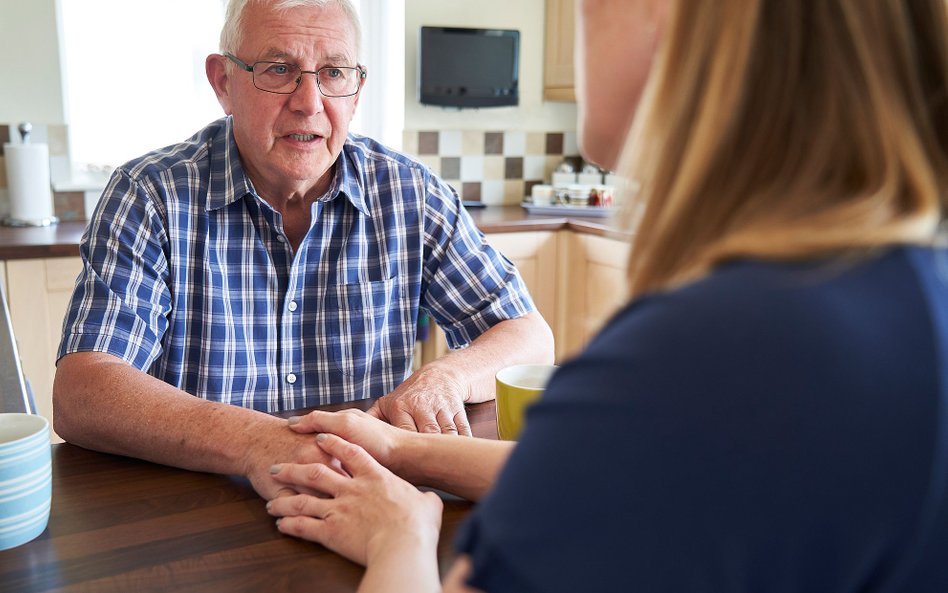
x=232, y=31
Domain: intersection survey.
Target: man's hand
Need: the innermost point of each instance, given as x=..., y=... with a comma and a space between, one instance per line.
x=278, y=445
x=431, y=400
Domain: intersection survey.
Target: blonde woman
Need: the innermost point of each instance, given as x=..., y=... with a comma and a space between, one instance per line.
x=770, y=411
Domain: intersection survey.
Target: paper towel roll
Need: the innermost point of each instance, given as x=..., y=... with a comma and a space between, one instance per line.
x=31, y=200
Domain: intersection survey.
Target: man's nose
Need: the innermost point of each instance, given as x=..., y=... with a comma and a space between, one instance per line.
x=307, y=98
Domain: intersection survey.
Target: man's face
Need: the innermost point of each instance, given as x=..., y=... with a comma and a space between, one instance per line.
x=289, y=143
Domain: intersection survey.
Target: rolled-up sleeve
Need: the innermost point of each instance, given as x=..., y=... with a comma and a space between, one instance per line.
x=468, y=285
x=121, y=302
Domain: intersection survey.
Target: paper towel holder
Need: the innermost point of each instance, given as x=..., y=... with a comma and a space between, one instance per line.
x=25, y=128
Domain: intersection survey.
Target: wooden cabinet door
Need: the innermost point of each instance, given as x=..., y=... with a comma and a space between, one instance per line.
x=594, y=289
x=558, y=73
x=38, y=291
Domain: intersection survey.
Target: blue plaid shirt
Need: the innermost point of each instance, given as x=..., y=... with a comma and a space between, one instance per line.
x=188, y=276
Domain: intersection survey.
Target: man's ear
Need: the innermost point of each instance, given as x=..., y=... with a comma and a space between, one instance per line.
x=216, y=68
x=359, y=94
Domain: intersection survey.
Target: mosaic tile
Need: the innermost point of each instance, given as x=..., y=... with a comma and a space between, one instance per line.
x=513, y=167
x=472, y=142
x=432, y=162
x=492, y=192
x=550, y=164
x=58, y=142
x=494, y=143
x=570, y=143
x=472, y=168
x=528, y=186
x=515, y=143
x=449, y=143
x=428, y=143
x=554, y=143
x=536, y=143
x=451, y=167
x=513, y=191
x=410, y=142
x=60, y=169
x=69, y=205
x=471, y=191
x=534, y=167
x=493, y=167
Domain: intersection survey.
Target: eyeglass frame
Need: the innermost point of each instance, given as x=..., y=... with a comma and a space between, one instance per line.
x=249, y=68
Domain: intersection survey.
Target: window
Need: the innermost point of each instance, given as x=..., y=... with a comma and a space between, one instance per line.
x=134, y=75
x=135, y=81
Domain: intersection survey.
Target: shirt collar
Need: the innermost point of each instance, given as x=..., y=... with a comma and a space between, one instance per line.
x=229, y=182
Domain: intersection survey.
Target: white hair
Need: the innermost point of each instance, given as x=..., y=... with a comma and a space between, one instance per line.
x=232, y=31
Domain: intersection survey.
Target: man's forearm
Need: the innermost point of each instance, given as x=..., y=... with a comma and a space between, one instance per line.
x=525, y=340
x=104, y=404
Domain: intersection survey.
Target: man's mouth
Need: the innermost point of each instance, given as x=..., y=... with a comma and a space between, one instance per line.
x=303, y=137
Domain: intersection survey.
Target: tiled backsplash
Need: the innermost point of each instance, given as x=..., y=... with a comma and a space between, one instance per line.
x=491, y=167
x=66, y=205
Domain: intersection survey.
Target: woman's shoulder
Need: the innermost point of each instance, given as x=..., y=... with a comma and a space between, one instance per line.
x=755, y=325
x=772, y=297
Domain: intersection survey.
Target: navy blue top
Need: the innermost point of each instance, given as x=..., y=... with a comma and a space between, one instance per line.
x=770, y=428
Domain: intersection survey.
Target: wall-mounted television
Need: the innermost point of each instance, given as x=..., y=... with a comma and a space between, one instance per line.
x=461, y=67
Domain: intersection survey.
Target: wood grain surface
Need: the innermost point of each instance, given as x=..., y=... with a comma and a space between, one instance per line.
x=121, y=525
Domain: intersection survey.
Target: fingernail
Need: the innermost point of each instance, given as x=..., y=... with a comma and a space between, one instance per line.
x=268, y=505
x=322, y=437
x=293, y=420
x=275, y=469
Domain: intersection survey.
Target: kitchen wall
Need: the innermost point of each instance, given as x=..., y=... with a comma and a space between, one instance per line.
x=32, y=90
x=491, y=155
x=30, y=62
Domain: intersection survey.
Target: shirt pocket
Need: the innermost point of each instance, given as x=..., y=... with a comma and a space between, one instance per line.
x=370, y=319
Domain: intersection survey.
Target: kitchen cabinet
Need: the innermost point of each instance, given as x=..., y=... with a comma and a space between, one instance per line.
x=558, y=73
x=38, y=292
x=593, y=289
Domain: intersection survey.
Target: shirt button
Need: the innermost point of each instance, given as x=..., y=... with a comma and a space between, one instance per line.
x=292, y=306
x=291, y=378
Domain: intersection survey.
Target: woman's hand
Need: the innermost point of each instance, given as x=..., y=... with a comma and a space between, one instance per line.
x=379, y=438
x=368, y=515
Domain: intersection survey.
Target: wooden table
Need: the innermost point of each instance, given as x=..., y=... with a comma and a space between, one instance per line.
x=122, y=525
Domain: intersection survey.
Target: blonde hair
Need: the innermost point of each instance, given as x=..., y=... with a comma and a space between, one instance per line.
x=785, y=130
x=231, y=32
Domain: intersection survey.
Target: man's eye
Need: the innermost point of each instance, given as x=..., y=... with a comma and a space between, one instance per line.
x=278, y=69
x=333, y=73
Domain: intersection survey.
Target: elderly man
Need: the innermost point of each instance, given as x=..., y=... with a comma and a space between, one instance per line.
x=273, y=262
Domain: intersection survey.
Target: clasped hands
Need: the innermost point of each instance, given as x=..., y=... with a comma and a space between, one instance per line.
x=360, y=507
x=343, y=491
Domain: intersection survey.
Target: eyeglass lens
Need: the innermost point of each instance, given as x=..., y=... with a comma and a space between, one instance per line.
x=279, y=77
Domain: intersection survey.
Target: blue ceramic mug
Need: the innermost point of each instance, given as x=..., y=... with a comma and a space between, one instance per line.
x=25, y=478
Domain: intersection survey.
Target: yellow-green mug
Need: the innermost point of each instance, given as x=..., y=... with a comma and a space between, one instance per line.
x=518, y=387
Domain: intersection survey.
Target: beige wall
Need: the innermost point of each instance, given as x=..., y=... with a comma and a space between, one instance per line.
x=527, y=16
x=32, y=87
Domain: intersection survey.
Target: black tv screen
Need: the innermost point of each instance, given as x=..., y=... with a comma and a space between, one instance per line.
x=461, y=67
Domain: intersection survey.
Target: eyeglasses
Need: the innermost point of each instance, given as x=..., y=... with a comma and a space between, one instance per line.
x=283, y=79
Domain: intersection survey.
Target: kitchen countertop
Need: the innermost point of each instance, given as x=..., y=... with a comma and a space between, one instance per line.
x=62, y=240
